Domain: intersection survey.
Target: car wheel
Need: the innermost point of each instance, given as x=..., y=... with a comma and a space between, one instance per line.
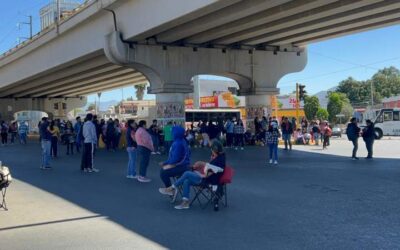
x=378, y=133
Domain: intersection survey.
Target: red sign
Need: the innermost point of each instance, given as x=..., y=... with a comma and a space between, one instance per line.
x=188, y=103
x=209, y=102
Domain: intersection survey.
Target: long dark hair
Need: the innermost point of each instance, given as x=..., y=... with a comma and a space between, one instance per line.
x=142, y=123
x=130, y=122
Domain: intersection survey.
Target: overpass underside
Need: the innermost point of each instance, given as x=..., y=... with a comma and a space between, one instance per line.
x=93, y=75
x=262, y=23
x=255, y=42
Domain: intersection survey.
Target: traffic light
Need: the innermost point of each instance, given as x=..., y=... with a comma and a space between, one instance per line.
x=302, y=92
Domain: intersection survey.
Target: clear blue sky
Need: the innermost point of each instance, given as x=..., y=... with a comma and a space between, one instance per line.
x=329, y=62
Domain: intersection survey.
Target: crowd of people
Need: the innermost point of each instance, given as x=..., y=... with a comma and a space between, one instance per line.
x=141, y=143
x=175, y=141
x=12, y=131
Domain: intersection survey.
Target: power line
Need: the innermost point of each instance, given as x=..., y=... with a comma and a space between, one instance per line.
x=341, y=60
x=23, y=12
x=8, y=34
x=339, y=71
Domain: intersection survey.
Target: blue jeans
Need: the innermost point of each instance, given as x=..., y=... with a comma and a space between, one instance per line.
x=22, y=138
x=143, y=154
x=287, y=139
x=273, y=151
x=132, y=160
x=156, y=142
x=117, y=139
x=188, y=179
x=46, y=147
x=166, y=175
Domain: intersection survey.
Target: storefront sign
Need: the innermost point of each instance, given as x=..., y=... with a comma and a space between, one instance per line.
x=189, y=103
x=209, y=102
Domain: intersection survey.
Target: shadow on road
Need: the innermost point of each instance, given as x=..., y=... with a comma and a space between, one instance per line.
x=308, y=201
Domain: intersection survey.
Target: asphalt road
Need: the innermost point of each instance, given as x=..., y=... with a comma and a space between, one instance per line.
x=314, y=199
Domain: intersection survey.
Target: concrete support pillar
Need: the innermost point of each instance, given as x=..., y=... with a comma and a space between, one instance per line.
x=170, y=107
x=257, y=106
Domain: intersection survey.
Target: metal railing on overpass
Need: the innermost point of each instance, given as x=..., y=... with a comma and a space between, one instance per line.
x=51, y=27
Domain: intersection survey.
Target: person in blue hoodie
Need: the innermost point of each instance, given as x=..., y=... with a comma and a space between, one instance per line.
x=178, y=159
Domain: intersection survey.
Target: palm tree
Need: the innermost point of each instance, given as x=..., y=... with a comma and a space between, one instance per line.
x=140, y=88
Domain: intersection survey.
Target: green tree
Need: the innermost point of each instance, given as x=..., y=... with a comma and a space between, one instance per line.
x=322, y=114
x=385, y=83
x=311, y=105
x=338, y=103
x=140, y=89
x=347, y=111
x=335, y=105
x=352, y=88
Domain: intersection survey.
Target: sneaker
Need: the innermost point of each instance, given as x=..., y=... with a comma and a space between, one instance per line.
x=95, y=170
x=143, y=179
x=153, y=153
x=158, y=152
x=242, y=148
x=41, y=167
x=355, y=158
x=276, y=162
x=166, y=191
x=89, y=170
x=131, y=176
x=47, y=168
x=236, y=148
x=270, y=161
x=183, y=205
x=368, y=158
x=216, y=205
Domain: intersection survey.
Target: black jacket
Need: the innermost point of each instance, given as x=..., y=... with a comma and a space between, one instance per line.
x=369, y=132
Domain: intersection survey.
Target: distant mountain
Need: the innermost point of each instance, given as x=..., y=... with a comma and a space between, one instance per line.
x=103, y=105
x=322, y=97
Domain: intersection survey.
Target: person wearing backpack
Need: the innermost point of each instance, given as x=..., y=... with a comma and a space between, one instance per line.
x=353, y=132
x=327, y=135
x=368, y=135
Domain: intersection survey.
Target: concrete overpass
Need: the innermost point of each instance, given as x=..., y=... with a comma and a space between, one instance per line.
x=112, y=43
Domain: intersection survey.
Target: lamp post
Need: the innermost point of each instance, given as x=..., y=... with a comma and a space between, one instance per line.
x=372, y=94
x=98, y=106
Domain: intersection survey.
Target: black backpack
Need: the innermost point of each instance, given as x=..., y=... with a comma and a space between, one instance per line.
x=350, y=132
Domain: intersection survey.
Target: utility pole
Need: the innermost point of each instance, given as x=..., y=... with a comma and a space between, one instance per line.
x=372, y=94
x=58, y=15
x=98, y=108
x=30, y=26
x=30, y=23
x=297, y=104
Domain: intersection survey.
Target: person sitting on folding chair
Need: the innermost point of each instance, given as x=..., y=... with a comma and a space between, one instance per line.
x=202, y=171
x=178, y=158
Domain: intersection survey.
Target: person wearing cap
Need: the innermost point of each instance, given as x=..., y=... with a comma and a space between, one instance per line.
x=368, y=135
x=209, y=173
x=272, y=137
